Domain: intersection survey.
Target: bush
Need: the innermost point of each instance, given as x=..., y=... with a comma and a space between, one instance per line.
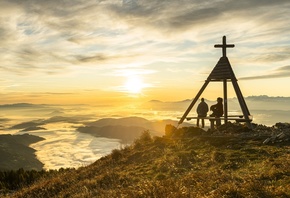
x=145, y=137
x=169, y=130
x=116, y=154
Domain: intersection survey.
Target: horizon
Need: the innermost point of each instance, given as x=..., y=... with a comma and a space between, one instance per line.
x=263, y=97
x=126, y=52
x=264, y=109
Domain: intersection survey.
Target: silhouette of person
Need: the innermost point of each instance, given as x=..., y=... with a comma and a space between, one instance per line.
x=218, y=110
x=201, y=110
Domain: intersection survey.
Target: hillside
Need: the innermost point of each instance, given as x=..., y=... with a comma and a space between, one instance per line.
x=15, y=152
x=126, y=129
x=188, y=162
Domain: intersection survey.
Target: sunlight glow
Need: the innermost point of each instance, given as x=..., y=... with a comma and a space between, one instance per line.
x=134, y=85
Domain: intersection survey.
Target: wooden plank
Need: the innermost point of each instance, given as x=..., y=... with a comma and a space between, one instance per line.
x=230, y=116
x=221, y=118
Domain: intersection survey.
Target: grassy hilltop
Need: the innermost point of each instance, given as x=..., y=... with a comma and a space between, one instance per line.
x=187, y=162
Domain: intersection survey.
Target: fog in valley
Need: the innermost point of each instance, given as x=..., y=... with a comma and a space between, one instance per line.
x=77, y=135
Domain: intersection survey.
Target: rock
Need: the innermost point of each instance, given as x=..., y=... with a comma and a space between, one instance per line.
x=267, y=141
x=280, y=133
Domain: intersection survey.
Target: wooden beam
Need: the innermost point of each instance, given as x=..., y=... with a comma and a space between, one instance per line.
x=242, y=102
x=193, y=102
x=225, y=101
x=224, y=46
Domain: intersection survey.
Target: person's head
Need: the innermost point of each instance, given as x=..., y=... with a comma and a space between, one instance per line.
x=219, y=99
x=202, y=99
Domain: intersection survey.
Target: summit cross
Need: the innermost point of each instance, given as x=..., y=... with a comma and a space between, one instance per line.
x=224, y=46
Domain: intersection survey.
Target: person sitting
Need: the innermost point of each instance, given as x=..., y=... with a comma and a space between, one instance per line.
x=201, y=110
x=217, y=110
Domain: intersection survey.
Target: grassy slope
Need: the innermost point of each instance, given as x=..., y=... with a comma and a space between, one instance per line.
x=187, y=165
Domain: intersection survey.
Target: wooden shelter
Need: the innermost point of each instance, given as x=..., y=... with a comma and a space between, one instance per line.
x=223, y=72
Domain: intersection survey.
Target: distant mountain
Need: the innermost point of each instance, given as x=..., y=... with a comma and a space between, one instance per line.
x=4, y=120
x=156, y=126
x=156, y=101
x=28, y=124
x=69, y=119
x=34, y=128
x=56, y=113
x=34, y=125
x=126, y=129
x=262, y=102
x=159, y=101
x=252, y=98
x=125, y=133
x=15, y=152
x=268, y=98
x=264, y=109
x=268, y=103
x=127, y=121
x=22, y=105
x=29, y=110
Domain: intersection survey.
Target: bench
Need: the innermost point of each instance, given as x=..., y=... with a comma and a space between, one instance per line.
x=237, y=118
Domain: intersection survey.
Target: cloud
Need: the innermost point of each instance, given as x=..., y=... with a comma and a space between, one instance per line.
x=133, y=72
x=274, y=54
x=184, y=14
x=103, y=58
x=52, y=36
x=281, y=72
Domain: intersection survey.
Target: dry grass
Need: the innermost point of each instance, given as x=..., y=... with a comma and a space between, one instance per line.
x=183, y=166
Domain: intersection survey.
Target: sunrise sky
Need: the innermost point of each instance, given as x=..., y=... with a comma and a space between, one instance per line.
x=114, y=51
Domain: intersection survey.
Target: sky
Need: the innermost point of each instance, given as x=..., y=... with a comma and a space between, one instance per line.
x=113, y=52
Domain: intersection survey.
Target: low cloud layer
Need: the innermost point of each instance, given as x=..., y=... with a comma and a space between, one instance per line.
x=64, y=146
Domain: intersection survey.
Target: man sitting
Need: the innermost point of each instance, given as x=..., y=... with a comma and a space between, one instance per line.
x=218, y=110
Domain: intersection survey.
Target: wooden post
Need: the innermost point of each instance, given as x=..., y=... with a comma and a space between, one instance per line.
x=193, y=102
x=242, y=102
x=225, y=101
x=224, y=46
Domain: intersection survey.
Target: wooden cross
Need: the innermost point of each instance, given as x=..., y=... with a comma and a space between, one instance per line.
x=224, y=46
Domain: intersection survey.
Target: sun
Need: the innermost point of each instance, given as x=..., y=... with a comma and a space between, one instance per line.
x=134, y=85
